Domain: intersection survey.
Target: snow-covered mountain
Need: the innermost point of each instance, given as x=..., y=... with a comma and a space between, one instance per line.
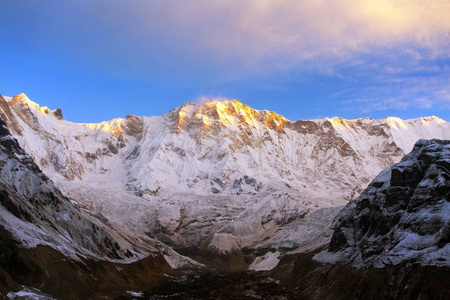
x=216, y=179
x=211, y=147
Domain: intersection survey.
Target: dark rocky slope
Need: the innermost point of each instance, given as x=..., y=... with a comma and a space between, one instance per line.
x=404, y=214
x=55, y=274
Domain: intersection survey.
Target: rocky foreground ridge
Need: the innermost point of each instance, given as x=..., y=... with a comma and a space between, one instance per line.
x=404, y=214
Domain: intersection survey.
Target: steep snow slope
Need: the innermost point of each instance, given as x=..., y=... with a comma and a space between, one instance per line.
x=215, y=177
x=404, y=214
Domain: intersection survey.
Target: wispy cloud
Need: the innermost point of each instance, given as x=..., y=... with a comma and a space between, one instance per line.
x=368, y=105
x=286, y=32
x=409, y=93
x=204, y=98
x=444, y=98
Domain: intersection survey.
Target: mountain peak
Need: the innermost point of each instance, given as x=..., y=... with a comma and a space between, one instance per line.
x=228, y=113
x=21, y=98
x=24, y=100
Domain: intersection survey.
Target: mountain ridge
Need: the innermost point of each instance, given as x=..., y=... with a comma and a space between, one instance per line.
x=22, y=97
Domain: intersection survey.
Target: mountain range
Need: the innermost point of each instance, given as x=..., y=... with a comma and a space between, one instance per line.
x=219, y=186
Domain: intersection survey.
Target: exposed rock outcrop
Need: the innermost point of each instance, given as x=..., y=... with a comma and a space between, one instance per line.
x=404, y=214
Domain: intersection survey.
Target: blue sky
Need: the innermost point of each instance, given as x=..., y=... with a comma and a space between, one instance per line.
x=97, y=60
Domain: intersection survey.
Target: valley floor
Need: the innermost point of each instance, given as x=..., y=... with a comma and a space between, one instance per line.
x=298, y=276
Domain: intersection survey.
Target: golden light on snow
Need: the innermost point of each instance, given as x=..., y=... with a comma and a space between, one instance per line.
x=22, y=98
x=116, y=130
x=182, y=115
x=228, y=113
x=114, y=126
x=339, y=123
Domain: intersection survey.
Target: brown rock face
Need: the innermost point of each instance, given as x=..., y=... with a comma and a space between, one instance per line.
x=58, y=114
x=133, y=126
x=305, y=278
x=7, y=116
